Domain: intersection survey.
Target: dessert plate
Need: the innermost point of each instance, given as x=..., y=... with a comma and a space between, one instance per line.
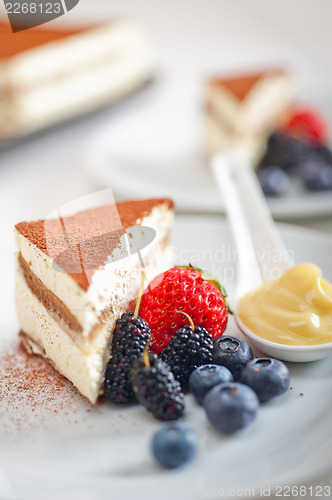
x=54, y=444
x=157, y=144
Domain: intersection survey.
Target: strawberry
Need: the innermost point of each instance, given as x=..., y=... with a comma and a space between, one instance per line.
x=185, y=289
x=304, y=123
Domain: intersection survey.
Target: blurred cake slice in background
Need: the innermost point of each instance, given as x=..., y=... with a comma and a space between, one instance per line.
x=49, y=76
x=241, y=111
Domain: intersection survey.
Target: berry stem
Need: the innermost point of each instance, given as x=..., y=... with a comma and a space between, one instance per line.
x=140, y=293
x=191, y=323
x=146, y=353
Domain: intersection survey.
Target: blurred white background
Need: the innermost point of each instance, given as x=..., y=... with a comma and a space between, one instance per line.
x=192, y=39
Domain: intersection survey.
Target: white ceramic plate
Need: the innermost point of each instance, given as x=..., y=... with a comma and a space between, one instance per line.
x=154, y=148
x=64, y=448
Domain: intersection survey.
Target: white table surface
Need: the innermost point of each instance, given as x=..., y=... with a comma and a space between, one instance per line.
x=191, y=38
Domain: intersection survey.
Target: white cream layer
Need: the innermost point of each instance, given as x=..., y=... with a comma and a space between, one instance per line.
x=54, y=59
x=217, y=138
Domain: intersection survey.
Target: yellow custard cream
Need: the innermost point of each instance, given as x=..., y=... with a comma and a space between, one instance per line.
x=294, y=310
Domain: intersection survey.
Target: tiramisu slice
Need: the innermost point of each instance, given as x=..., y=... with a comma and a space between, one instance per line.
x=76, y=275
x=47, y=76
x=242, y=110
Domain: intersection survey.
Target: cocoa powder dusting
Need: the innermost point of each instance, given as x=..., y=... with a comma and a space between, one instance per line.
x=33, y=394
x=241, y=86
x=93, y=233
x=30, y=39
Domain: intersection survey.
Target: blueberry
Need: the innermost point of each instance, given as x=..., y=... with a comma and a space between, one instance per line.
x=231, y=352
x=274, y=181
x=268, y=377
x=316, y=174
x=174, y=444
x=231, y=407
x=205, y=377
x=324, y=153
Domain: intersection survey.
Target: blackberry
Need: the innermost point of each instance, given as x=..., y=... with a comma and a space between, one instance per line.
x=156, y=388
x=284, y=151
x=129, y=338
x=189, y=348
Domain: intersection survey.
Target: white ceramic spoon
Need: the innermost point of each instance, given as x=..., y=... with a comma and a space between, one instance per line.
x=261, y=252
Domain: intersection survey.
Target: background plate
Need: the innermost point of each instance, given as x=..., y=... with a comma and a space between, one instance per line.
x=55, y=444
x=155, y=149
